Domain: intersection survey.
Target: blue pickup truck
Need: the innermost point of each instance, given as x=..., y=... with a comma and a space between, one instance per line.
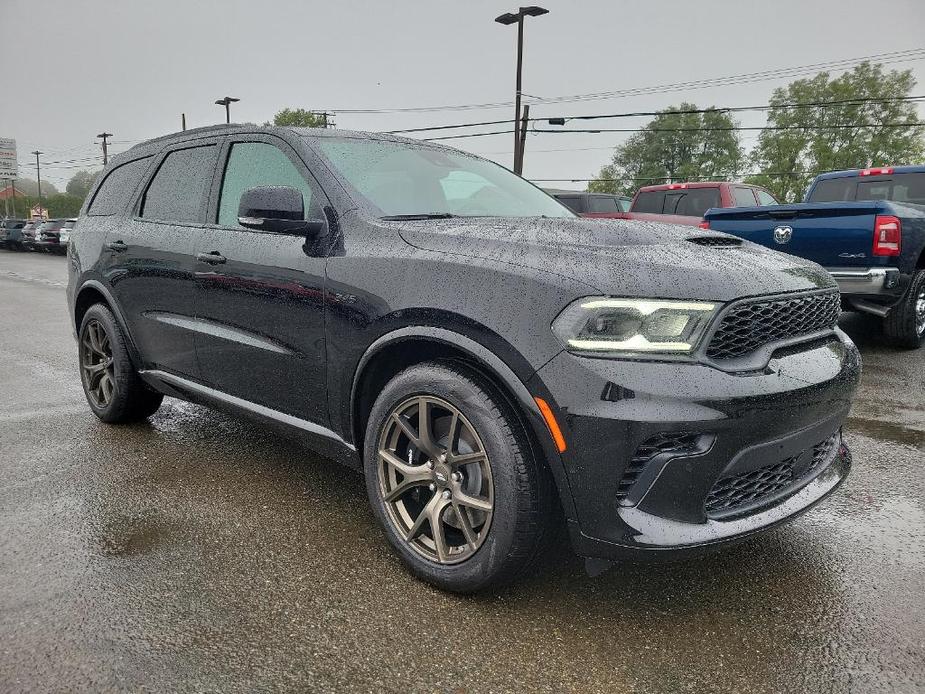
x=867, y=228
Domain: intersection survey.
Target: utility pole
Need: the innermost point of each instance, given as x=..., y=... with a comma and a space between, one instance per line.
x=226, y=102
x=523, y=136
x=518, y=18
x=105, y=135
x=183, y=120
x=38, y=176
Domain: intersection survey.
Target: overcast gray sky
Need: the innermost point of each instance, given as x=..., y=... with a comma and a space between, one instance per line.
x=131, y=67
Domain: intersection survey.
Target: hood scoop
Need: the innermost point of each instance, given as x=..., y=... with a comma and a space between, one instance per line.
x=716, y=241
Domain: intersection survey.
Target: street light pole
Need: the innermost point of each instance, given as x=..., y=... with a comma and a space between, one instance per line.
x=38, y=176
x=226, y=102
x=104, y=135
x=518, y=18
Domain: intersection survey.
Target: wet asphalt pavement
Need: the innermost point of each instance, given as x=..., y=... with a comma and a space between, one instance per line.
x=199, y=552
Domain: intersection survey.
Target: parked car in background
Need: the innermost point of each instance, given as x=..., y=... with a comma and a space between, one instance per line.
x=11, y=233
x=483, y=355
x=29, y=231
x=584, y=204
x=686, y=203
x=48, y=236
x=867, y=228
x=64, y=237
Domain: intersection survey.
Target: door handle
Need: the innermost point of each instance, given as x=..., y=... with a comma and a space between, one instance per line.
x=117, y=246
x=213, y=258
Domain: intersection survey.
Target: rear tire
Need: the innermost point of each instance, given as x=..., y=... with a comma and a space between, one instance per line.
x=904, y=325
x=113, y=389
x=493, y=513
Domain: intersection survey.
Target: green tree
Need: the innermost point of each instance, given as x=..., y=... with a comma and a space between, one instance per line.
x=80, y=183
x=300, y=118
x=844, y=136
x=30, y=186
x=674, y=146
x=58, y=205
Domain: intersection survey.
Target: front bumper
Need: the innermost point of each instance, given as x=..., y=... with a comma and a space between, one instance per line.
x=749, y=450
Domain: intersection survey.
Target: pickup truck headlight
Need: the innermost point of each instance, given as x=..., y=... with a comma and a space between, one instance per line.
x=604, y=324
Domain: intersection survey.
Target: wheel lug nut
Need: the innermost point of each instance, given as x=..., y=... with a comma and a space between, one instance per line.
x=457, y=476
x=446, y=494
x=432, y=487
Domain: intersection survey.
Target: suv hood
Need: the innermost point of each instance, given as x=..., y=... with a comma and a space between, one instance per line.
x=623, y=257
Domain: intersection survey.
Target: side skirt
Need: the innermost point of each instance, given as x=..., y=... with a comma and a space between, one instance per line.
x=327, y=442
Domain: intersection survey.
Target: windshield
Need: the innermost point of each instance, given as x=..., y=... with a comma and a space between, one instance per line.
x=400, y=178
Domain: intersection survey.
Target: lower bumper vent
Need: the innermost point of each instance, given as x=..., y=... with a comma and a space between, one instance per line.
x=676, y=443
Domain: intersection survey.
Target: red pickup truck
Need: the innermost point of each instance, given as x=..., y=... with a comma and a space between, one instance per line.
x=686, y=203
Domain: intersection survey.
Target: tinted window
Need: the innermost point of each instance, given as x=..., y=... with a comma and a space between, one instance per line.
x=177, y=192
x=833, y=190
x=765, y=198
x=573, y=202
x=253, y=164
x=691, y=202
x=625, y=204
x=744, y=197
x=602, y=203
x=118, y=186
x=401, y=178
x=908, y=187
x=650, y=201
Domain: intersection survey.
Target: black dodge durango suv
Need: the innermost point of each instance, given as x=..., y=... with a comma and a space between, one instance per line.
x=490, y=361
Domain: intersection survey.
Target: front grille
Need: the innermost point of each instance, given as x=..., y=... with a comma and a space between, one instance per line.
x=750, y=325
x=746, y=488
x=678, y=443
x=715, y=241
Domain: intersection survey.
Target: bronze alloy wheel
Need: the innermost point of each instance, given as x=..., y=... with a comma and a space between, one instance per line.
x=435, y=479
x=96, y=364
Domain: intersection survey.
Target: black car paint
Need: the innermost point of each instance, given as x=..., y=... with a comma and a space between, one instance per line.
x=295, y=331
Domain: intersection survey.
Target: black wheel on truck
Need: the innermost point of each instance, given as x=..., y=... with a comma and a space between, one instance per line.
x=904, y=325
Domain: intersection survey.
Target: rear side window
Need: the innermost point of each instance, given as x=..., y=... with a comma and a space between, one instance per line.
x=253, y=164
x=765, y=198
x=118, y=186
x=600, y=203
x=178, y=191
x=744, y=197
x=573, y=202
x=649, y=201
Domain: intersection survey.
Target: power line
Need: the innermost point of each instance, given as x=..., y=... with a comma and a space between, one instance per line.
x=737, y=128
x=727, y=80
x=689, y=178
x=712, y=109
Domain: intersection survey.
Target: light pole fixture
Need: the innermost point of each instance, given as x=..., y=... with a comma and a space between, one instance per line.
x=38, y=175
x=226, y=102
x=518, y=19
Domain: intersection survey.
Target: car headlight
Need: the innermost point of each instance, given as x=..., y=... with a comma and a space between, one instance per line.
x=604, y=324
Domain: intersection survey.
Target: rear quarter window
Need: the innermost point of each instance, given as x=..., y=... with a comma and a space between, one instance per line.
x=116, y=189
x=600, y=203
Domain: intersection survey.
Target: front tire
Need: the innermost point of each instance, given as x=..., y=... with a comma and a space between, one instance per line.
x=452, y=480
x=113, y=389
x=904, y=325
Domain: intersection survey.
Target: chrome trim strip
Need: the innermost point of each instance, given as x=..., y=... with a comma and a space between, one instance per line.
x=247, y=405
x=219, y=330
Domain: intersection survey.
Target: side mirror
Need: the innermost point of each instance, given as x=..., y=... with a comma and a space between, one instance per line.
x=277, y=209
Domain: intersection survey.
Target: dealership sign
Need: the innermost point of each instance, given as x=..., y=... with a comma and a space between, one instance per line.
x=8, y=159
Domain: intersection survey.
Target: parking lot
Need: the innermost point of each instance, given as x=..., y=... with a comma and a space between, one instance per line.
x=200, y=552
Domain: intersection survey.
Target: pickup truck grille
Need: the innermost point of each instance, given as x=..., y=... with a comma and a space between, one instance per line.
x=753, y=324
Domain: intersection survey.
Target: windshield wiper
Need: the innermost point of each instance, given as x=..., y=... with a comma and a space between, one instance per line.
x=422, y=215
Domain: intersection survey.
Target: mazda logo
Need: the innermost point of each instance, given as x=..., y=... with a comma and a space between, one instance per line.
x=783, y=234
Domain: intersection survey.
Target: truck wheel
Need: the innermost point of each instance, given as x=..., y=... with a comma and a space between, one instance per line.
x=452, y=480
x=904, y=325
x=114, y=391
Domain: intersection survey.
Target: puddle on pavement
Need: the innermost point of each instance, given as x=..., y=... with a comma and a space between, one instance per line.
x=131, y=535
x=887, y=431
